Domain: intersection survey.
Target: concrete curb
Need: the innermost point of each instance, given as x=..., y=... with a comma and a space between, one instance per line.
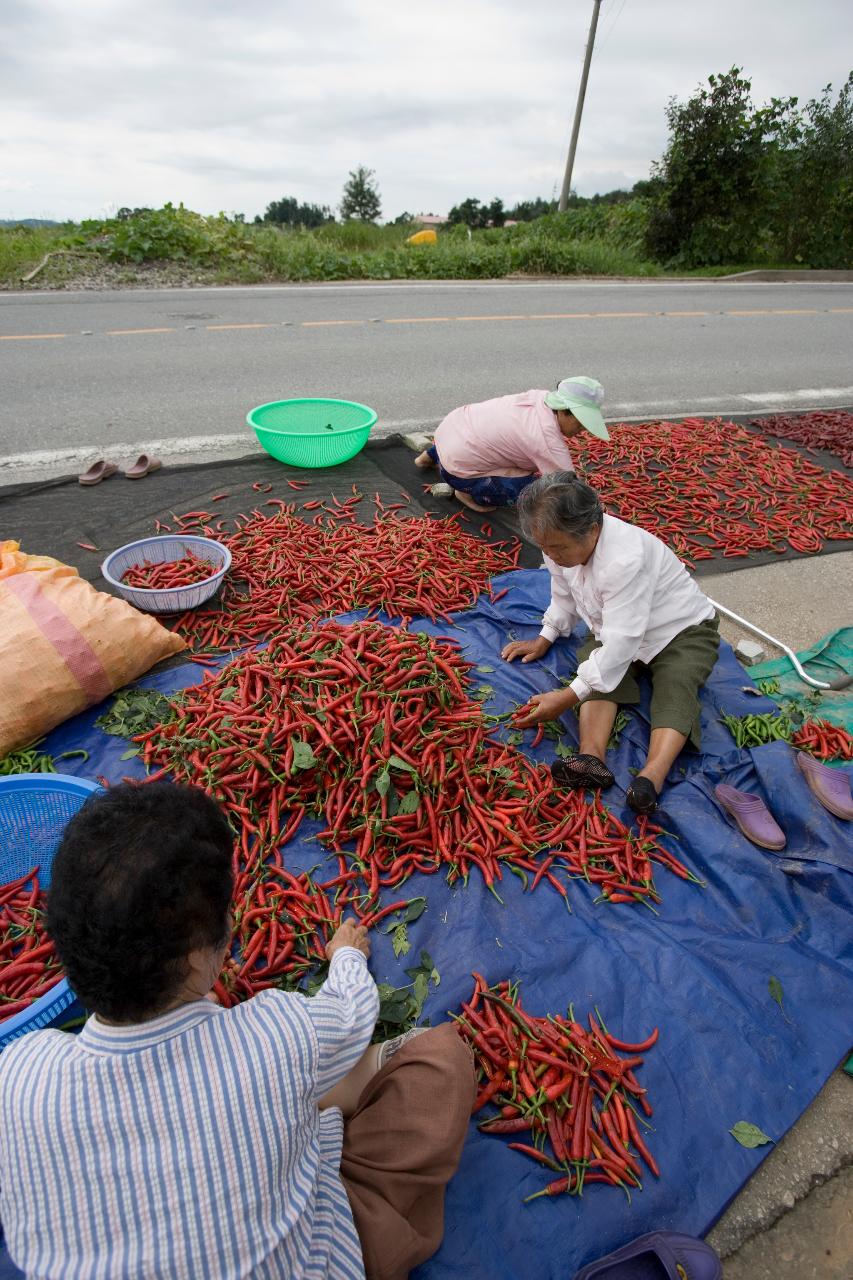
x=817, y=1148
x=769, y=276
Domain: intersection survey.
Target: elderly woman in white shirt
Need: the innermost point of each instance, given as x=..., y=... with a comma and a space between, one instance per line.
x=644, y=612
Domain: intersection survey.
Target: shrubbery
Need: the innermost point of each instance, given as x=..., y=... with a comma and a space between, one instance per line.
x=770, y=184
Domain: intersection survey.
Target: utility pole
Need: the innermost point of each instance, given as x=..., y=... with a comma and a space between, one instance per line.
x=570, y=163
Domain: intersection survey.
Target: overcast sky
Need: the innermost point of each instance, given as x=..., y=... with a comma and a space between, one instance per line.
x=228, y=104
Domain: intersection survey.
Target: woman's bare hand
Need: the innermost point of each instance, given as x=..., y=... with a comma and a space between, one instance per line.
x=350, y=934
x=527, y=650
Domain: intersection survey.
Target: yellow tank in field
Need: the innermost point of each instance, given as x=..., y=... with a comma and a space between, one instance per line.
x=423, y=237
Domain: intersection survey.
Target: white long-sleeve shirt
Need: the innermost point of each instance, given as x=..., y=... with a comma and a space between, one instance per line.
x=508, y=436
x=635, y=596
x=187, y=1146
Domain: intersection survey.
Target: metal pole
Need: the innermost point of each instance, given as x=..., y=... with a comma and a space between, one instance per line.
x=570, y=163
x=840, y=682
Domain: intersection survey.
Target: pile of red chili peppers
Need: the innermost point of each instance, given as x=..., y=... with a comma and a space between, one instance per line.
x=171, y=573
x=565, y=1086
x=287, y=569
x=372, y=731
x=709, y=488
x=823, y=740
x=823, y=429
x=29, y=966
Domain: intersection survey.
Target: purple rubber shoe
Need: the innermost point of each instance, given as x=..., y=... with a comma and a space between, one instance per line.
x=752, y=816
x=830, y=786
x=661, y=1255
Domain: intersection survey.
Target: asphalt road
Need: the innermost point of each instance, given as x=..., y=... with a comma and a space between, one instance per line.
x=177, y=369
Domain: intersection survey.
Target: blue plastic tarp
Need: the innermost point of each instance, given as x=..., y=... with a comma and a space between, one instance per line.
x=699, y=970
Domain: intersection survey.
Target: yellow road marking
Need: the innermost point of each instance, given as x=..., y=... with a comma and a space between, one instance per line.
x=235, y=326
x=555, y=315
x=419, y=320
x=29, y=337
x=119, y=332
x=320, y=324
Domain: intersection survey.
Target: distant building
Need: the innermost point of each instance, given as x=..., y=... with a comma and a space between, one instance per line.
x=429, y=220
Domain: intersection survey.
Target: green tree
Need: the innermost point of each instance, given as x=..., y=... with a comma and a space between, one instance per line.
x=496, y=213
x=288, y=212
x=361, y=196
x=811, y=192
x=469, y=212
x=473, y=214
x=527, y=210
x=712, y=177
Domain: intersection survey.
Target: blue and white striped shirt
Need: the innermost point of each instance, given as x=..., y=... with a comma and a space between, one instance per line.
x=189, y=1147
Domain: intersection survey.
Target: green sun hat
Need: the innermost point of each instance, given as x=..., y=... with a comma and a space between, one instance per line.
x=583, y=397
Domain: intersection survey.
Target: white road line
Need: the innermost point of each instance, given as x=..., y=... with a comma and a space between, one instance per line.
x=241, y=441
x=234, y=444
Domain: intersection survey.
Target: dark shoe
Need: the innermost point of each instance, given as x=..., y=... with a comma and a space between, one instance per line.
x=582, y=772
x=830, y=786
x=752, y=816
x=642, y=796
x=661, y=1255
x=97, y=472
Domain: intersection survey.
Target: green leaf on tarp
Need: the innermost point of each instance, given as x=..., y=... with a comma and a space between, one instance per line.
x=486, y=669
x=303, y=755
x=515, y=738
x=749, y=1135
x=410, y=802
x=483, y=694
x=421, y=990
x=127, y=755
x=382, y=782
x=396, y=763
x=774, y=986
x=563, y=750
x=134, y=711
x=400, y=941
x=415, y=910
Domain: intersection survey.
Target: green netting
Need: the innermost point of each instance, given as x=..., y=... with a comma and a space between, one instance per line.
x=830, y=657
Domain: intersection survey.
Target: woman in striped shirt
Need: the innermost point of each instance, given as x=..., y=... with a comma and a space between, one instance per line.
x=176, y=1138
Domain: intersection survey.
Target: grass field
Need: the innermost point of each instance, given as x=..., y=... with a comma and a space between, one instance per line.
x=174, y=242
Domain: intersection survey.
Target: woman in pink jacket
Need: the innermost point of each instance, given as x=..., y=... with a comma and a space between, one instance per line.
x=489, y=452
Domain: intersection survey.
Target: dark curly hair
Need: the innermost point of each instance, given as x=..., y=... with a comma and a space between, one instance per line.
x=141, y=878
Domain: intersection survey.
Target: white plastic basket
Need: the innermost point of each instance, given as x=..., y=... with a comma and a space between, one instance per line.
x=160, y=550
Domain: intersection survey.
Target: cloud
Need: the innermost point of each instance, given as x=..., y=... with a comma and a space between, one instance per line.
x=226, y=105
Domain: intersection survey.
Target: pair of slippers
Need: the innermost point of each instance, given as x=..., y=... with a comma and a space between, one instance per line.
x=830, y=787
x=102, y=470
x=585, y=772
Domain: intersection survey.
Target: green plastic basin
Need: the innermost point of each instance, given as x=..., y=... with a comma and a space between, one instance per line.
x=312, y=433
